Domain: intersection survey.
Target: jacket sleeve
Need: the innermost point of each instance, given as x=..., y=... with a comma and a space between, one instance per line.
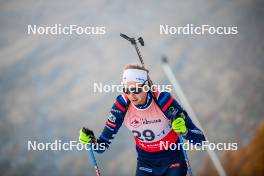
x=113, y=122
x=172, y=109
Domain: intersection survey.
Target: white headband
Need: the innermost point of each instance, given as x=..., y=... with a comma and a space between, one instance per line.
x=136, y=75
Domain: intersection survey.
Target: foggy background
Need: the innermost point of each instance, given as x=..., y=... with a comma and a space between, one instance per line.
x=46, y=81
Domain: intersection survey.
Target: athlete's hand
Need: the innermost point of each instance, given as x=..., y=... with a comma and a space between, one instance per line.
x=86, y=136
x=178, y=126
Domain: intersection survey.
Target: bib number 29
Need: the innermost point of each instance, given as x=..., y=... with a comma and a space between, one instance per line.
x=146, y=135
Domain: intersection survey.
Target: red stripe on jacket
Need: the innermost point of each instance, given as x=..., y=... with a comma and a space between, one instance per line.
x=111, y=124
x=120, y=106
x=167, y=104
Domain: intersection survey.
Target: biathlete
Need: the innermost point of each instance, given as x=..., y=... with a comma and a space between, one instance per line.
x=156, y=120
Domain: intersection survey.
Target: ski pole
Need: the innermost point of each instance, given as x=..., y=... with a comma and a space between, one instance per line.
x=189, y=171
x=94, y=161
x=181, y=96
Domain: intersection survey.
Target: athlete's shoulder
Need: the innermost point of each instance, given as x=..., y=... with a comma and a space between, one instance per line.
x=121, y=102
x=122, y=99
x=162, y=97
x=165, y=101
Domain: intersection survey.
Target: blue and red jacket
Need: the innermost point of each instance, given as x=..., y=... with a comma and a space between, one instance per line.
x=171, y=109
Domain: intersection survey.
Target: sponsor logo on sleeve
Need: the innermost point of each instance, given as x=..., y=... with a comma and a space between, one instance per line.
x=112, y=118
x=116, y=111
x=172, y=111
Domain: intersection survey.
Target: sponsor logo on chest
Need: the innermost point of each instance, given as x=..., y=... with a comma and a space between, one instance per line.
x=136, y=121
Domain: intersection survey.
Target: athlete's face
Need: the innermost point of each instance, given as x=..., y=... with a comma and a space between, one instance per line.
x=136, y=92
